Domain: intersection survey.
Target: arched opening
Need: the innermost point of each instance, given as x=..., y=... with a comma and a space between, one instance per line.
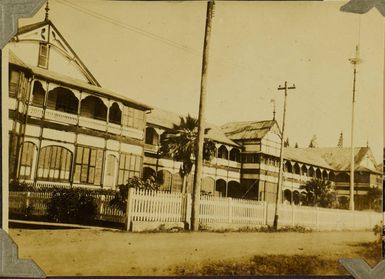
x=223, y=153
x=220, y=188
x=311, y=172
x=296, y=197
x=115, y=115
x=235, y=155
x=296, y=168
x=93, y=107
x=304, y=170
x=287, y=196
x=54, y=163
x=236, y=190
x=62, y=99
x=164, y=178
x=38, y=94
x=149, y=173
x=288, y=167
x=151, y=136
x=26, y=160
x=208, y=185
x=318, y=173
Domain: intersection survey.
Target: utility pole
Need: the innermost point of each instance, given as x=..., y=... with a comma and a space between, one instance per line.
x=356, y=60
x=280, y=174
x=201, y=120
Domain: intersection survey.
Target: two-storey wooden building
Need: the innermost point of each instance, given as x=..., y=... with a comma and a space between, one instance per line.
x=65, y=129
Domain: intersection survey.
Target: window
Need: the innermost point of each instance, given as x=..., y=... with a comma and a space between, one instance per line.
x=129, y=166
x=88, y=165
x=14, y=79
x=133, y=118
x=54, y=163
x=222, y=152
x=43, y=56
x=26, y=160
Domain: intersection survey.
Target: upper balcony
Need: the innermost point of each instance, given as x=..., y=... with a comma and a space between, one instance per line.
x=62, y=105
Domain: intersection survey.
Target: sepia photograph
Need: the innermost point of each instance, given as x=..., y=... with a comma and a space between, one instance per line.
x=195, y=138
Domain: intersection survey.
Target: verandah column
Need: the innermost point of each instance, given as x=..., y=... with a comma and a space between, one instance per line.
x=41, y=132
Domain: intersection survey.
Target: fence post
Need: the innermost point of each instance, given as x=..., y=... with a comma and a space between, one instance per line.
x=101, y=207
x=129, y=208
x=188, y=211
x=27, y=200
x=292, y=215
x=266, y=208
x=230, y=208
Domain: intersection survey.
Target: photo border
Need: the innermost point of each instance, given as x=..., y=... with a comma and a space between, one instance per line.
x=12, y=10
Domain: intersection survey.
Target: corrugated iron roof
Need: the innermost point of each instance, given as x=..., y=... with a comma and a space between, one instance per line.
x=247, y=129
x=335, y=158
x=167, y=119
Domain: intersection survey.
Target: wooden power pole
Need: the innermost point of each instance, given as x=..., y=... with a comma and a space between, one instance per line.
x=280, y=174
x=356, y=60
x=201, y=120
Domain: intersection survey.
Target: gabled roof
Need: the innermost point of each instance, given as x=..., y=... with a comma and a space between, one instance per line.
x=335, y=158
x=34, y=26
x=72, y=82
x=247, y=129
x=166, y=119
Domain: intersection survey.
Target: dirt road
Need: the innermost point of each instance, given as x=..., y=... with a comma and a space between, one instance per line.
x=95, y=252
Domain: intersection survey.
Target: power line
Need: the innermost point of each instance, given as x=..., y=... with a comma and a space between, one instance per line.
x=127, y=26
x=146, y=33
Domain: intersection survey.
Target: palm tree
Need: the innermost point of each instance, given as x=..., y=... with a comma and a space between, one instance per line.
x=180, y=144
x=318, y=193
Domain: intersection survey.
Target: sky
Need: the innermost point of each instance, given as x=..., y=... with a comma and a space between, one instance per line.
x=152, y=52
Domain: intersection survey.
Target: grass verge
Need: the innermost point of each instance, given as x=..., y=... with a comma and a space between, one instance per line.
x=280, y=264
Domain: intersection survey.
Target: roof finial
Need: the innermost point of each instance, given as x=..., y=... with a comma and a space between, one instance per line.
x=46, y=11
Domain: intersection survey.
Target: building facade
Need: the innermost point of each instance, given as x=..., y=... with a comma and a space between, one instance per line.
x=66, y=130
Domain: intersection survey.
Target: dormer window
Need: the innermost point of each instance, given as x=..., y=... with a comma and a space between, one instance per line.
x=43, y=55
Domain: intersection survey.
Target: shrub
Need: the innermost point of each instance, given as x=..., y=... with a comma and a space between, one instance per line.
x=72, y=205
x=17, y=186
x=120, y=199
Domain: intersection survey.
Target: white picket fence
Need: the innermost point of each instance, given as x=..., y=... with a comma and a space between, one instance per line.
x=166, y=207
x=151, y=206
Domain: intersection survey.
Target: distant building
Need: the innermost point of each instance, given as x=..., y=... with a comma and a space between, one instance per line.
x=66, y=130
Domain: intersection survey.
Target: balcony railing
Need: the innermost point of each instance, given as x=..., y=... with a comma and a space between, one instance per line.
x=151, y=148
x=92, y=123
x=72, y=119
x=114, y=128
x=35, y=112
x=61, y=117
